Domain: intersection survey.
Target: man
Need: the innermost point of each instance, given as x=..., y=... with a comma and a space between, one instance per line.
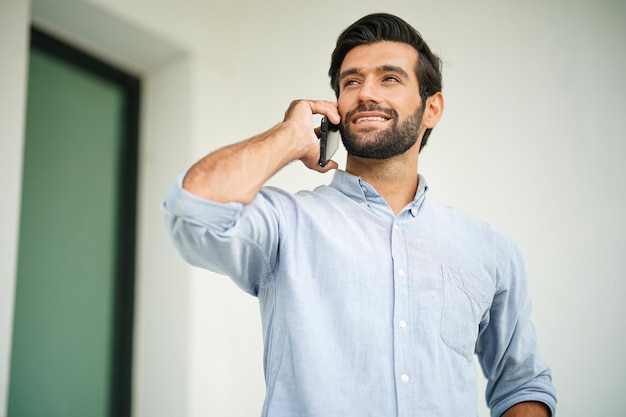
x=374, y=297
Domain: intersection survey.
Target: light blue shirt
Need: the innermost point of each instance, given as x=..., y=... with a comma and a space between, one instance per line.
x=369, y=314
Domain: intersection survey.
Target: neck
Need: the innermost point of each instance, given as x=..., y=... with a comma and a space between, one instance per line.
x=395, y=179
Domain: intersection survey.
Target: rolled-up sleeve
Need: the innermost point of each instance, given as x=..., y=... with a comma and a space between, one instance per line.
x=507, y=346
x=232, y=239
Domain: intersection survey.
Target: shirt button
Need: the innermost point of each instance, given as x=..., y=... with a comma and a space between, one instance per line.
x=395, y=227
x=363, y=204
x=364, y=189
x=401, y=272
x=402, y=324
x=404, y=378
x=413, y=211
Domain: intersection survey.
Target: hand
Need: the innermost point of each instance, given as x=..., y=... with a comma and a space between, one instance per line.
x=299, y=116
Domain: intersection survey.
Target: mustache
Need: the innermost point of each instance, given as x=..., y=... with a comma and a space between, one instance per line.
x=372, y=108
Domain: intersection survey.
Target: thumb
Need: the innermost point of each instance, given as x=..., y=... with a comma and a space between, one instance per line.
x=329, y=165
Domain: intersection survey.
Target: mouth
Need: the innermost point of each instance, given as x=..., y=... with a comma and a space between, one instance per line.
x=362, y=118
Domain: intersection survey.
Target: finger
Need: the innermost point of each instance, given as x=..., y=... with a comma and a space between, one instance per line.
x=326, y=108
x=329, y=165
x=297, y=106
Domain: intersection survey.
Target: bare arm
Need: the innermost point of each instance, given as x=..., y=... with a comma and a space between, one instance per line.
x=528, y=409
x=237, y=172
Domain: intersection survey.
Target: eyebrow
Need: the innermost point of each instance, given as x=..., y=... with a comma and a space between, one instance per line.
x=382, y=68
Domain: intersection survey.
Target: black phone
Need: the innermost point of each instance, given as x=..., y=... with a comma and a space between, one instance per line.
x=329, y=140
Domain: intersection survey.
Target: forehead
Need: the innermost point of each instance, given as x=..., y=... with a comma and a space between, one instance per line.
x=365, y=58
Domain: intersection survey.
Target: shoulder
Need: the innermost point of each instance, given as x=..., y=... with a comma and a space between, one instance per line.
x=320, y=195
x=297, y=204
x=471, y=230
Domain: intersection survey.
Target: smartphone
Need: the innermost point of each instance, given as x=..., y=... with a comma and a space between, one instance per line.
x=329, y=140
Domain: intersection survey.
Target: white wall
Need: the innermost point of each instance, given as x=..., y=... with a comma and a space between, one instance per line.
x=13, y=41
x=531, y=141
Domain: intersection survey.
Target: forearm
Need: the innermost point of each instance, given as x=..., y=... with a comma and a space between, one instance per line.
x=237, y=172
x=528, y=409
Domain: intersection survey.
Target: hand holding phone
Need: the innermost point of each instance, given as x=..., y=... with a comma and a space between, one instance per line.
x=329, y=140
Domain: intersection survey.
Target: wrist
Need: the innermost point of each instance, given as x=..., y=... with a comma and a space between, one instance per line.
x=528, y=409
x=298, y=140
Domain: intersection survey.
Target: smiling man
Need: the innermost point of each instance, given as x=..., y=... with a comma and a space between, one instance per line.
x=374, y=297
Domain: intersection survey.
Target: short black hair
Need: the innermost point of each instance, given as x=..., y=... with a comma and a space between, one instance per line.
x=377, y=27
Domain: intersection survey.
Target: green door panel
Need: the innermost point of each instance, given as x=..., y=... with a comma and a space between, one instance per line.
x=62, y=350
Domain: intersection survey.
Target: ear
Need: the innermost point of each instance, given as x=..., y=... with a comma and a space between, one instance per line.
x=433, y=110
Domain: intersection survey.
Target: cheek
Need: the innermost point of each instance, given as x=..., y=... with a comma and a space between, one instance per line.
x=412, y=107
x=343, y=106
x=348, y=99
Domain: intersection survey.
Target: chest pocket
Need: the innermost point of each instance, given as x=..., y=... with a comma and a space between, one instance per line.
x=466, y=300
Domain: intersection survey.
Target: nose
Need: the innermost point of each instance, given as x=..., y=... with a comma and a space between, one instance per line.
x=368, y=93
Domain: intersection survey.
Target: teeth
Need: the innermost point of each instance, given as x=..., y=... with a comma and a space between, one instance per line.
x=371, y=119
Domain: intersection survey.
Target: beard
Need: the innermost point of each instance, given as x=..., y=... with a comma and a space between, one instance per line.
x=381, y=144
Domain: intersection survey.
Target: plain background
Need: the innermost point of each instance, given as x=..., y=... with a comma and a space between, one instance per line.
x=532, y=140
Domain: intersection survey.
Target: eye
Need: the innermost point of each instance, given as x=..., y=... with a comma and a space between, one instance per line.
x=391, y=78
x=350, y=82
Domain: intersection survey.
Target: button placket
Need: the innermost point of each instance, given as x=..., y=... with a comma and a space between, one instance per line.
x=401, y=307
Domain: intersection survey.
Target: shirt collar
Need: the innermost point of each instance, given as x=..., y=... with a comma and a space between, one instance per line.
x=363, y=193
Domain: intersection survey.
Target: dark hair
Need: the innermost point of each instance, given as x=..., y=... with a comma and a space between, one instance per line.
x=385, y=27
